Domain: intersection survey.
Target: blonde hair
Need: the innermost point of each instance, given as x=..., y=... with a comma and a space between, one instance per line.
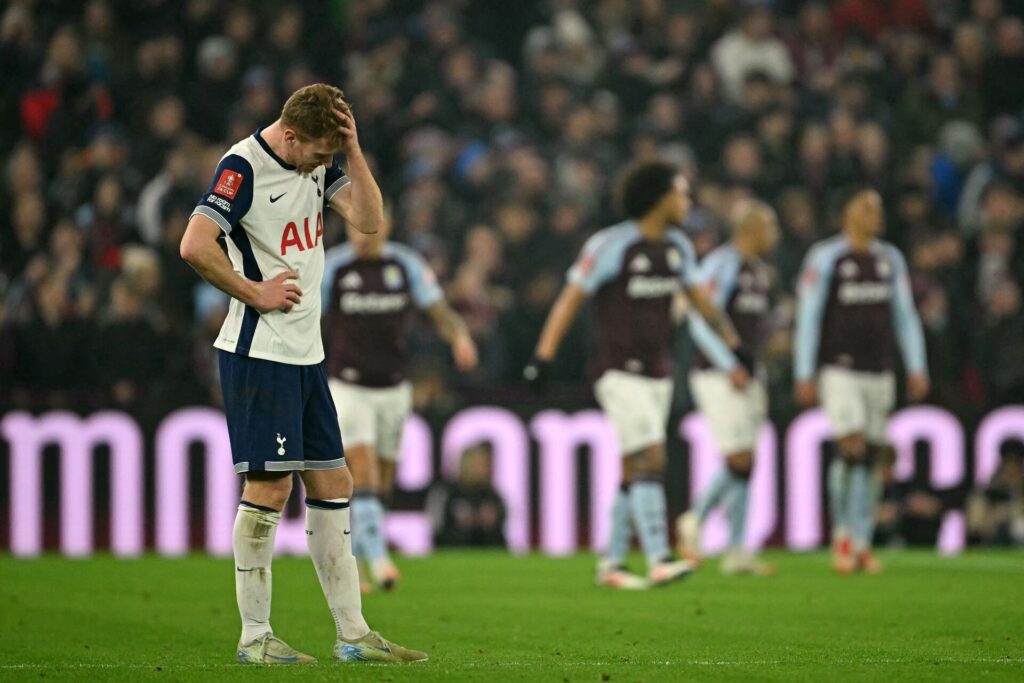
x=309, y=112
x=745, y=210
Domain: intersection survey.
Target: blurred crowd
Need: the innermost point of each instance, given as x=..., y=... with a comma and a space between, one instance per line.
x=496, y=130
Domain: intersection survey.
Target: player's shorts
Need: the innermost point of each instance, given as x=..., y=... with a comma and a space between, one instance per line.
x=734, y=416
x=637, y=407
x=280, y=416
x=857, y=402
x=371, y=416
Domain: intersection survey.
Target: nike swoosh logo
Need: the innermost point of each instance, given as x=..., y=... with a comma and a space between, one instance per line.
x=239, y=569
x=347, y=531
x=274, y=199
x=290, y=660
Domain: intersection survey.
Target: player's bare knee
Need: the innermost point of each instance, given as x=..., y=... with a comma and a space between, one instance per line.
x=328, y=484
x=269, y=489
x=654, y=458
x=363, y=467
x=346, y=484
x=741, y=464
x=852, y=447
x=385, y=475
x=647, y=464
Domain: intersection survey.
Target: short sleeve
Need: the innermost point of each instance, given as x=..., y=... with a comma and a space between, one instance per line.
x=230, y=194
x=689, y=272
x=334, y=180
x=718, y=272
x=422, y=282
x=598, y=263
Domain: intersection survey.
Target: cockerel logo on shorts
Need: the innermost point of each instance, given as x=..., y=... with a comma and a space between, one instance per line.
x=280, y=443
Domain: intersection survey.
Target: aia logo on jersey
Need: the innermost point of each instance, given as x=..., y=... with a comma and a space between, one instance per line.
x=291, y=237
x=228, y=183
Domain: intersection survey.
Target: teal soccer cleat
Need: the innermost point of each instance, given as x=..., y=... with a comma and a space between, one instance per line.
x=373, y=648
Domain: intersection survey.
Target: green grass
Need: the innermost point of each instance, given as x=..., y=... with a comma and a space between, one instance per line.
x=492, y=617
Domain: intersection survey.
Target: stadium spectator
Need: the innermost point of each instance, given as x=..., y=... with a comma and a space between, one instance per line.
x=469, y=511
x=995, y=515
x=750, y=47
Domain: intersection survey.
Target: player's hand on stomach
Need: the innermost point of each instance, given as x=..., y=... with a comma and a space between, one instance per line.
x=918, y=387
x=465, y=353
x=276, y=294
x=806, y=393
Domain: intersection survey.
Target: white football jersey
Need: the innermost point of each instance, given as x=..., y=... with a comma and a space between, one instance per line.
x=272, y=216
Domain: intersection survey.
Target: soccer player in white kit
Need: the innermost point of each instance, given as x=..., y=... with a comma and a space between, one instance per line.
x=740, y=284
x=267, y=198
x=855, y=307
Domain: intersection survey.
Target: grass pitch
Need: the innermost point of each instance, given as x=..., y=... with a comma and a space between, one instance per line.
x=493, y=617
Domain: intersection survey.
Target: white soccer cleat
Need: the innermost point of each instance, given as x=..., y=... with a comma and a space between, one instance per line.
x=609, y=575
x=384, y=574
x=688, y=535
x=736, y=562
x=665, y=572
x=270, y=650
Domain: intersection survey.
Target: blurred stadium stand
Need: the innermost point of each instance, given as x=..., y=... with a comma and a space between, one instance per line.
x=495, y=129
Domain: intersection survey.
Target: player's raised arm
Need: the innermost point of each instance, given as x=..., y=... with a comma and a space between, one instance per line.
x=907, y=324
x=359, y=202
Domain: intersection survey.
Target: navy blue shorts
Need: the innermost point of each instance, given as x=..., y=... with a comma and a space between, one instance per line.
x=281, y=417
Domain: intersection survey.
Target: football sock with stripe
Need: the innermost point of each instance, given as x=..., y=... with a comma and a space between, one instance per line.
x=863, y=492
x=838, y=495
x=618, y=537
x=647, y=505
x=329, y=537
x=368, y=526
x=252, y=541
x=713, y=494
x=736, y=509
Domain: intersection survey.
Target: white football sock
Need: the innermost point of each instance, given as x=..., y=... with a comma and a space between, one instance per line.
x=253, y=543
x=328, y=534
